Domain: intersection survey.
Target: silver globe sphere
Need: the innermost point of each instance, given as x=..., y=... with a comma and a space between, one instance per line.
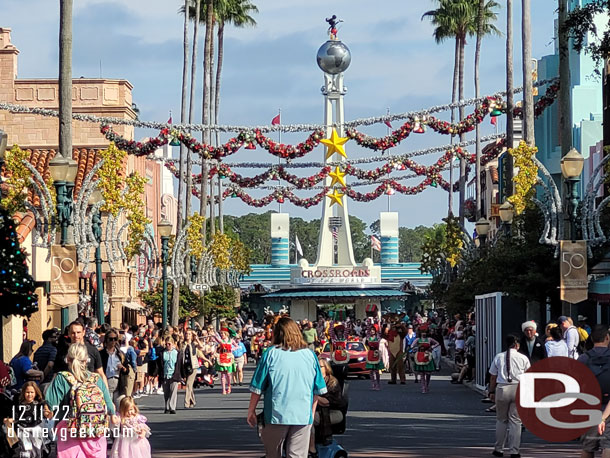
x=334, y=57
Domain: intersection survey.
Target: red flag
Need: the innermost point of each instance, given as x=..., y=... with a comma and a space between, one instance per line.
x=275, y=120
x=387, y=123
x=493, y=120
x=169, y=121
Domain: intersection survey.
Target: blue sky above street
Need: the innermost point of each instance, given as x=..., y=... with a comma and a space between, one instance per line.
x=395, y=63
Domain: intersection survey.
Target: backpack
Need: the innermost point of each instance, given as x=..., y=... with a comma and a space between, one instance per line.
x=583, y=335
x=88, y=413
x=600, y=366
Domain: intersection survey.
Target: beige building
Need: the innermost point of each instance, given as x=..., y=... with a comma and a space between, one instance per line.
x=39, y=135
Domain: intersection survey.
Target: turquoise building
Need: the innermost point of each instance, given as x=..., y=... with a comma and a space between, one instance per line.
x=586, y=104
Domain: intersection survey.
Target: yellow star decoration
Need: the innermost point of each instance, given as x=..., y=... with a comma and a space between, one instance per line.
x=338, y=176
x=335, y=144
x=336, y=197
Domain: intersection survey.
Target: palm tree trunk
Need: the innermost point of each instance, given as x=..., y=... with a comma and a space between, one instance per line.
x=477, y=93
x=461, y=111
x=189, y=161
x=175, y=304
x=221, y=29
x=211, y=118
x=65, y=78
x=565, y=109
x=206, y=111
x=509, y=99
x=183, y=113
x=528, y=95
x=454, y=94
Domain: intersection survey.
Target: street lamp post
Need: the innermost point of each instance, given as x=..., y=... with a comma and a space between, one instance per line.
x=63, y=171
x=507, y=214
x=165, y=229
x=571, y=168
x=482, y=227
x=96, y=228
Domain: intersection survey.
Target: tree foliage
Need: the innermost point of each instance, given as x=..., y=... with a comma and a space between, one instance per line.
x=583, y=29
x=190, y=303
x=219, y=302
x=517, y=265
x=254, y=232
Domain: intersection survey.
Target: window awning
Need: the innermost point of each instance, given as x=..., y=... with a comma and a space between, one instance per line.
x=600, y=289
x=354, y=294
x=133, y=306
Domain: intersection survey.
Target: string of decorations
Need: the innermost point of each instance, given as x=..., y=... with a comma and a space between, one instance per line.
x=105, y=120
x=489, y=105
x=316, y=165
x=289, y=152
x=277, y=172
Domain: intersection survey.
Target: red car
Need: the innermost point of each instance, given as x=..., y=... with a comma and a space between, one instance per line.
x=357, y=358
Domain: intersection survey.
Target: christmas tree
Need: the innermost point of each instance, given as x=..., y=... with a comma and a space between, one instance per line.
x=17, y=295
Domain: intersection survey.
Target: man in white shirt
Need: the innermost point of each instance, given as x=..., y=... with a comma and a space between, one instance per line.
x=570, y=335
x=505, y=370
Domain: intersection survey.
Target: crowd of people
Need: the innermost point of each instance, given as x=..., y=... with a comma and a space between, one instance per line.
x=66, y=393
x=89, y=377
x=561, y=338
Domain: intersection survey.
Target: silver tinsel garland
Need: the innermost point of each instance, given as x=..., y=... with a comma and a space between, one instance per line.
x=266, y=128
x=44, y=219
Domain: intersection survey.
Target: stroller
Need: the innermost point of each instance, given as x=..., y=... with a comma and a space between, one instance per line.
x=332, y=449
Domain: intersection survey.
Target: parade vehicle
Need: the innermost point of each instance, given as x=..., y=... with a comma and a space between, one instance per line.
x=357, y=358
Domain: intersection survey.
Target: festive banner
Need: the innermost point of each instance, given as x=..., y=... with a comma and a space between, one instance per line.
x=574, y=284
x=64, y=275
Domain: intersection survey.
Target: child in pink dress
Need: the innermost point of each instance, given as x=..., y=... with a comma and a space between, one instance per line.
x=132, y=441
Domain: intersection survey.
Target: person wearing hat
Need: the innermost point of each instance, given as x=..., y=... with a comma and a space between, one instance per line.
x=582, y=323
x=570, y=335
x=339, y=355
x=530, y=344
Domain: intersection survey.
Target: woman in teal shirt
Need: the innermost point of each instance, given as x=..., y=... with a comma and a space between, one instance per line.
x=69, y=443
x=289, y=375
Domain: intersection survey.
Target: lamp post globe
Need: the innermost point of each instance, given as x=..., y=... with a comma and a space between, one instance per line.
x=571, y=168
x=482, y=227
x=572, y=164
x=507, y=212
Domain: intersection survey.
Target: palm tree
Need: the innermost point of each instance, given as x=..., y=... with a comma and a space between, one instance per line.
x=528, y=95
x=485, y=16
x=458, y=19
x=236, y=12
x=183, y=114
x=207, y=73
x=189, y=162
x=509, y=97
x=175, y=305
x=65, y=78
x=565, y=110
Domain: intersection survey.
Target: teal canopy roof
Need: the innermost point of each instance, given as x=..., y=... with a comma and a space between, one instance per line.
x=384, y=293
x=601, y=286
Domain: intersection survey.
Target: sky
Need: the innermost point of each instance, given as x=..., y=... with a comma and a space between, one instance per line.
x=396, y=64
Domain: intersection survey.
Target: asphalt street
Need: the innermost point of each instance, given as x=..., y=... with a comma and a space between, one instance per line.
x=397, y=421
